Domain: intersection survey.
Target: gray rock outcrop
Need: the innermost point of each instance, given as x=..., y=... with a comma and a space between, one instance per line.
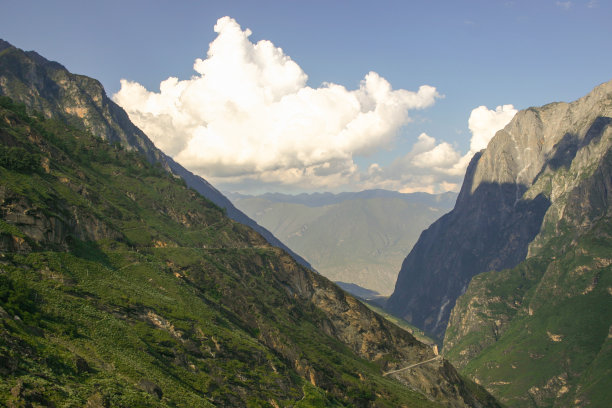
x=505, y=197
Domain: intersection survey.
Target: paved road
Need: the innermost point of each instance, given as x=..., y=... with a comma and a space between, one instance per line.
x=413, y=365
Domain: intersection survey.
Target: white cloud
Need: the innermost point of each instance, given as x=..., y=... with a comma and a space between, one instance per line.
x=484, y=123
x=427, y=167
x=249, y=115
x=441, y=156
x=434, y=166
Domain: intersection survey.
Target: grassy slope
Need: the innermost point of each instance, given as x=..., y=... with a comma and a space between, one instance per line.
x=172, y=296
x=562, y=347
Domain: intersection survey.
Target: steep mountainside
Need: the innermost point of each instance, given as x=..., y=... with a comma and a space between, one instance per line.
x=121, y=286
x=358, y=238
x=47, y=87
x=540, y=334
x=498, y=212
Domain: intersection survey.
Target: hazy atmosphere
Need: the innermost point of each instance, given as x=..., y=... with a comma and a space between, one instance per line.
x=323, y=96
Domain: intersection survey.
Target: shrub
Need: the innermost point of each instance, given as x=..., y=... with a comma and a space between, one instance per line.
x=18, y=299
x=19, y=159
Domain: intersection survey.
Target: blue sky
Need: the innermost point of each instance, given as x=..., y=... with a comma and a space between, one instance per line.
x=492, y=53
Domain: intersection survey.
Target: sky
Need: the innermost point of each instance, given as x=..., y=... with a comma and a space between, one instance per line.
x=302, y=96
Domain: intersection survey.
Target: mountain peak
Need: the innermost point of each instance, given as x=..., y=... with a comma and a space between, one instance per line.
x=518, y=153
x=35, y=57
x=4, y=45
x=504, y=198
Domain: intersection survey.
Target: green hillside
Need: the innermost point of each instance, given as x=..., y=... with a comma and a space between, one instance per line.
x=542, y=335
x=120, y=286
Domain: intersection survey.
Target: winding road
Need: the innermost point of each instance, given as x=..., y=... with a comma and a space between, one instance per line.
x=413, y=365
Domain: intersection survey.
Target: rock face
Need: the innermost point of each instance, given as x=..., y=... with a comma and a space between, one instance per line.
x=538, y=335
x=48, y=87
x=502, y=204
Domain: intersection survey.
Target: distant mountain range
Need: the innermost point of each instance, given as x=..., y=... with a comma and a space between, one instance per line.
x=322, y=199
x=359, y=238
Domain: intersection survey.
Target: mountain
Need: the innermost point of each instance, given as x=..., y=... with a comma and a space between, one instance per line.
x=489, y=229
x=121, y=286
x=47, y=86
x=531, y=235
x=540, y=334
x=497, y=214
x=359, y=238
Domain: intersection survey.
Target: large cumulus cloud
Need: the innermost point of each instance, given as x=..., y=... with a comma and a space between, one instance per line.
x=248, y=114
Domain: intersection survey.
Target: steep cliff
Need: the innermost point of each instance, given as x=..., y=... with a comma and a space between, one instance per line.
x=46, y=86
x=500, y=209
x=540, y=334
x=120, y=286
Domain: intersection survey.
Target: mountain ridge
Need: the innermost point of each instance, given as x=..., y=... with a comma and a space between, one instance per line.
x=48, y=87
x=550, y=315
x=321, y=199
